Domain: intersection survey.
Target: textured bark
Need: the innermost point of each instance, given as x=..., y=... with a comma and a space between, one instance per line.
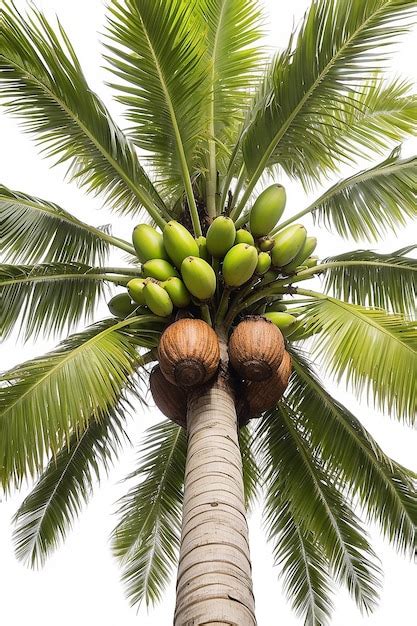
x=214, y=584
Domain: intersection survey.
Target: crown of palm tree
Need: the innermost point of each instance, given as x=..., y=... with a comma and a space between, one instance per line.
x=212, y=115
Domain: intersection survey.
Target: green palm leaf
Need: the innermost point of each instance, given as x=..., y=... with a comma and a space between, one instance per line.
x=306, y=577
x=371, y=203
x=47, y=399
x=48, y=512
x=337, y=46
x=386, y=490
x=234, y=60
x=251, y=476
x=156, y=55
x=36, y=231
x=146, y=539
x=42, y=83
x=378, y=116
x=48, y=298
x=387, y=281
x=315, y=502
x=372, y=351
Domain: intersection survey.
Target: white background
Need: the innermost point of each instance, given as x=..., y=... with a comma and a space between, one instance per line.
x=80, y=583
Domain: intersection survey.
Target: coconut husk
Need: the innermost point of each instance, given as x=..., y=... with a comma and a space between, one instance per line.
x=170, y=399
x=256, y=348
x=264, y=395
x=189, y=352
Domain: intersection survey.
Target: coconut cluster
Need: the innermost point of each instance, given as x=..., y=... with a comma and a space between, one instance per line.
x=182, y=273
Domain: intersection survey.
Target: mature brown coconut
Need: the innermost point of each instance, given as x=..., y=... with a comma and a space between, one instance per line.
x=264, y=395
x=256, y=348
x=189, y=352
x=170, y=399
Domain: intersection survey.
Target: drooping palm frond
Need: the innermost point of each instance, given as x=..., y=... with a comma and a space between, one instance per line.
x=374, y=352
x=37, y=231
x=42, y=83
x=302, y=480
x=307, y=581
x=146, y=538
x=250, y=468
x=385, y=489
x=156, y=54
x=387, y=281
x=45, y=400
x=46, y=515
x=48, y=298
x=371, y=203
x=337, y=46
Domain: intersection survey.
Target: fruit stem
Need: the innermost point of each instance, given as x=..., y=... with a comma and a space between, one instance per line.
x=128, y=271
x=242, y=220
x=205, y=314
x=223, y=306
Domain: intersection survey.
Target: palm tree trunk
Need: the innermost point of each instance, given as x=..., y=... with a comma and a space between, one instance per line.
x=214, y=584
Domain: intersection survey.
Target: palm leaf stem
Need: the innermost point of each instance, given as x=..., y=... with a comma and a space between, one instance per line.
x=229, y=175
x=97, y=275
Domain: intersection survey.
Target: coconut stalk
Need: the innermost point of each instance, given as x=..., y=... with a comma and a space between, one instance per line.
x=214, y=582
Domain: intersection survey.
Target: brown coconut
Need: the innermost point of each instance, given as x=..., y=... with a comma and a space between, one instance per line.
x=264, y=395
x=189, y=352
x=256, y=349
x=170, y=399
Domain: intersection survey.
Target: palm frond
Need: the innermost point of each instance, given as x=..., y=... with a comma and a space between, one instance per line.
x=46, y=515
x=307, y=581
x=37, y=231
x=48, y=298
x=234, y=60
x=250, y=468
x=45, y=400
x=338, y=46
x=156, y=53
x=376, y=117
x=42, y=83
x=374, y=352
x=385, y=489
x=373, y=202
x=386, y=281
x=302, y=479
x=146, y=538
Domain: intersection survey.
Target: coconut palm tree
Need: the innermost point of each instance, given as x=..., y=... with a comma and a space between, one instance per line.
x=211, y=117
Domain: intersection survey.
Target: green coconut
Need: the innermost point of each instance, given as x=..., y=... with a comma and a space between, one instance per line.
x=178, y=292
x=136, y=287
x=288, y=243
x=179, y=243
x=239, y=264
x=244, y=236
x=148, y=243
x=157, y=299
x=267, y=210
x=159, y=269
x=199, y=278
x=121, y=305
x=220, y=236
